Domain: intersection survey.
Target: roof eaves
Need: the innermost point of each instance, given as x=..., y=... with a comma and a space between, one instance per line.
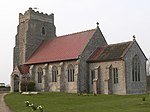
x=102, y=34
x=132, y=42
x=94, y=61
x=31, y=63
x=141, y=50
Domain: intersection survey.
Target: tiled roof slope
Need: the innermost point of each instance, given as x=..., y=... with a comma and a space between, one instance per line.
x=109, y=52
x=61, y=48
x=24, y=69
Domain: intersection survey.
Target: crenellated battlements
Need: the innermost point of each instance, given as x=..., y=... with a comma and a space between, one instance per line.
x=36, y=15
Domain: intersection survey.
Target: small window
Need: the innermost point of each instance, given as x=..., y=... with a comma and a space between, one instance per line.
x=54, y=74
x=43, y=31
x=40, y=74
x=70, y=73
x=115, y=74
x=92, y=76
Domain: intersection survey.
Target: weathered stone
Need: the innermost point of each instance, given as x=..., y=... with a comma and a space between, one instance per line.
x=34, y=27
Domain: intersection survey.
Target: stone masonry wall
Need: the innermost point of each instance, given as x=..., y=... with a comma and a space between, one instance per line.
x=62, y=83
x=119, y=88
x=19, y=50
x=34, y=35
x=138, y=87
x=96, y=41
x=31, y=14
x=29, y=34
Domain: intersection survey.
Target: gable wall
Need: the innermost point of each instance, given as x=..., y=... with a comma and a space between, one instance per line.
x=96, y=41
x=135, y=87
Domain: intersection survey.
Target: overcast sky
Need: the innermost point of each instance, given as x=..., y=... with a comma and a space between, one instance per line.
x=118, y=20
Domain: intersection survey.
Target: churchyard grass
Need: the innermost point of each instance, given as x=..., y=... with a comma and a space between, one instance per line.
x=63, y=102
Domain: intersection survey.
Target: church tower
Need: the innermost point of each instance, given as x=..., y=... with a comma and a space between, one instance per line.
x=33, y=28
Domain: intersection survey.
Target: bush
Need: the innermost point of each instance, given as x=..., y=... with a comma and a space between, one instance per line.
x=144, y=98
x=27, y=86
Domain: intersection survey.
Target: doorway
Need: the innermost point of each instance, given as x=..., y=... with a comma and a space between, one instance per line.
x=16, y=83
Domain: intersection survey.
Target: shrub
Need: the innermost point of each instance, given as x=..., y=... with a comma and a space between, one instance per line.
x=27, y=86
x=144, y=98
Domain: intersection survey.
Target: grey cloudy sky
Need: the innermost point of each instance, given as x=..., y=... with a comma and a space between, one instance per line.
x=119, y=21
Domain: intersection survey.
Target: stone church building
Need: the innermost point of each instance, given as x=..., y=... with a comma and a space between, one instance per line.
x=81, y=62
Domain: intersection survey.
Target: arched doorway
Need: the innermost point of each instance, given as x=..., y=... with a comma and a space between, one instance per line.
x=16, y=83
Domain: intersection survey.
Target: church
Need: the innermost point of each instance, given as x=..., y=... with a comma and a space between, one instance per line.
x=81, y=62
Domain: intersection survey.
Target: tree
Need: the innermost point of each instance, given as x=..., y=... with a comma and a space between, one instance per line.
x=27, y=84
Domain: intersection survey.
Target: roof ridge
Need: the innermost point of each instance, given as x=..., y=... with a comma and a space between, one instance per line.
x=76, y=33
x=119, y=43
x=109, y=52
x=125, y=50
x=63, y=48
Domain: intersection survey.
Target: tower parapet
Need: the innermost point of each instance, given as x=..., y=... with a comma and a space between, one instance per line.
x=32, y=14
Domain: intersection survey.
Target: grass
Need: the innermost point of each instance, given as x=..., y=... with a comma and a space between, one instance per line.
x=63, y=102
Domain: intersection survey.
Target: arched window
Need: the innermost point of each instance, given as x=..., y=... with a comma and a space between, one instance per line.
x=70, y=71
x=54, y=74
x=43, y=31
x=135, y=68
x=40, y=74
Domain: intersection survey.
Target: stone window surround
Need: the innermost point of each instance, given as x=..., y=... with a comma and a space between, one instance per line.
x=54, y=73
x=43, y=32
x=136, y=69
x=115, y=75
x=40, y=74
x=70, y=72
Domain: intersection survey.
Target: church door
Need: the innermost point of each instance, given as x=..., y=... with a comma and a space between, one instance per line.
x=16, y=83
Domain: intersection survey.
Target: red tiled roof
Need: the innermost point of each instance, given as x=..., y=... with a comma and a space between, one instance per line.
x=109, y=52
x=97, y=53
x=65, y=47
x=24, y=69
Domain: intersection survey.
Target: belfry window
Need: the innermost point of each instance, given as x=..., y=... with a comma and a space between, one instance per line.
x=43, y=31
x=135, y=69
x=54, y=74
x=40, y=74
x=70, y=71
